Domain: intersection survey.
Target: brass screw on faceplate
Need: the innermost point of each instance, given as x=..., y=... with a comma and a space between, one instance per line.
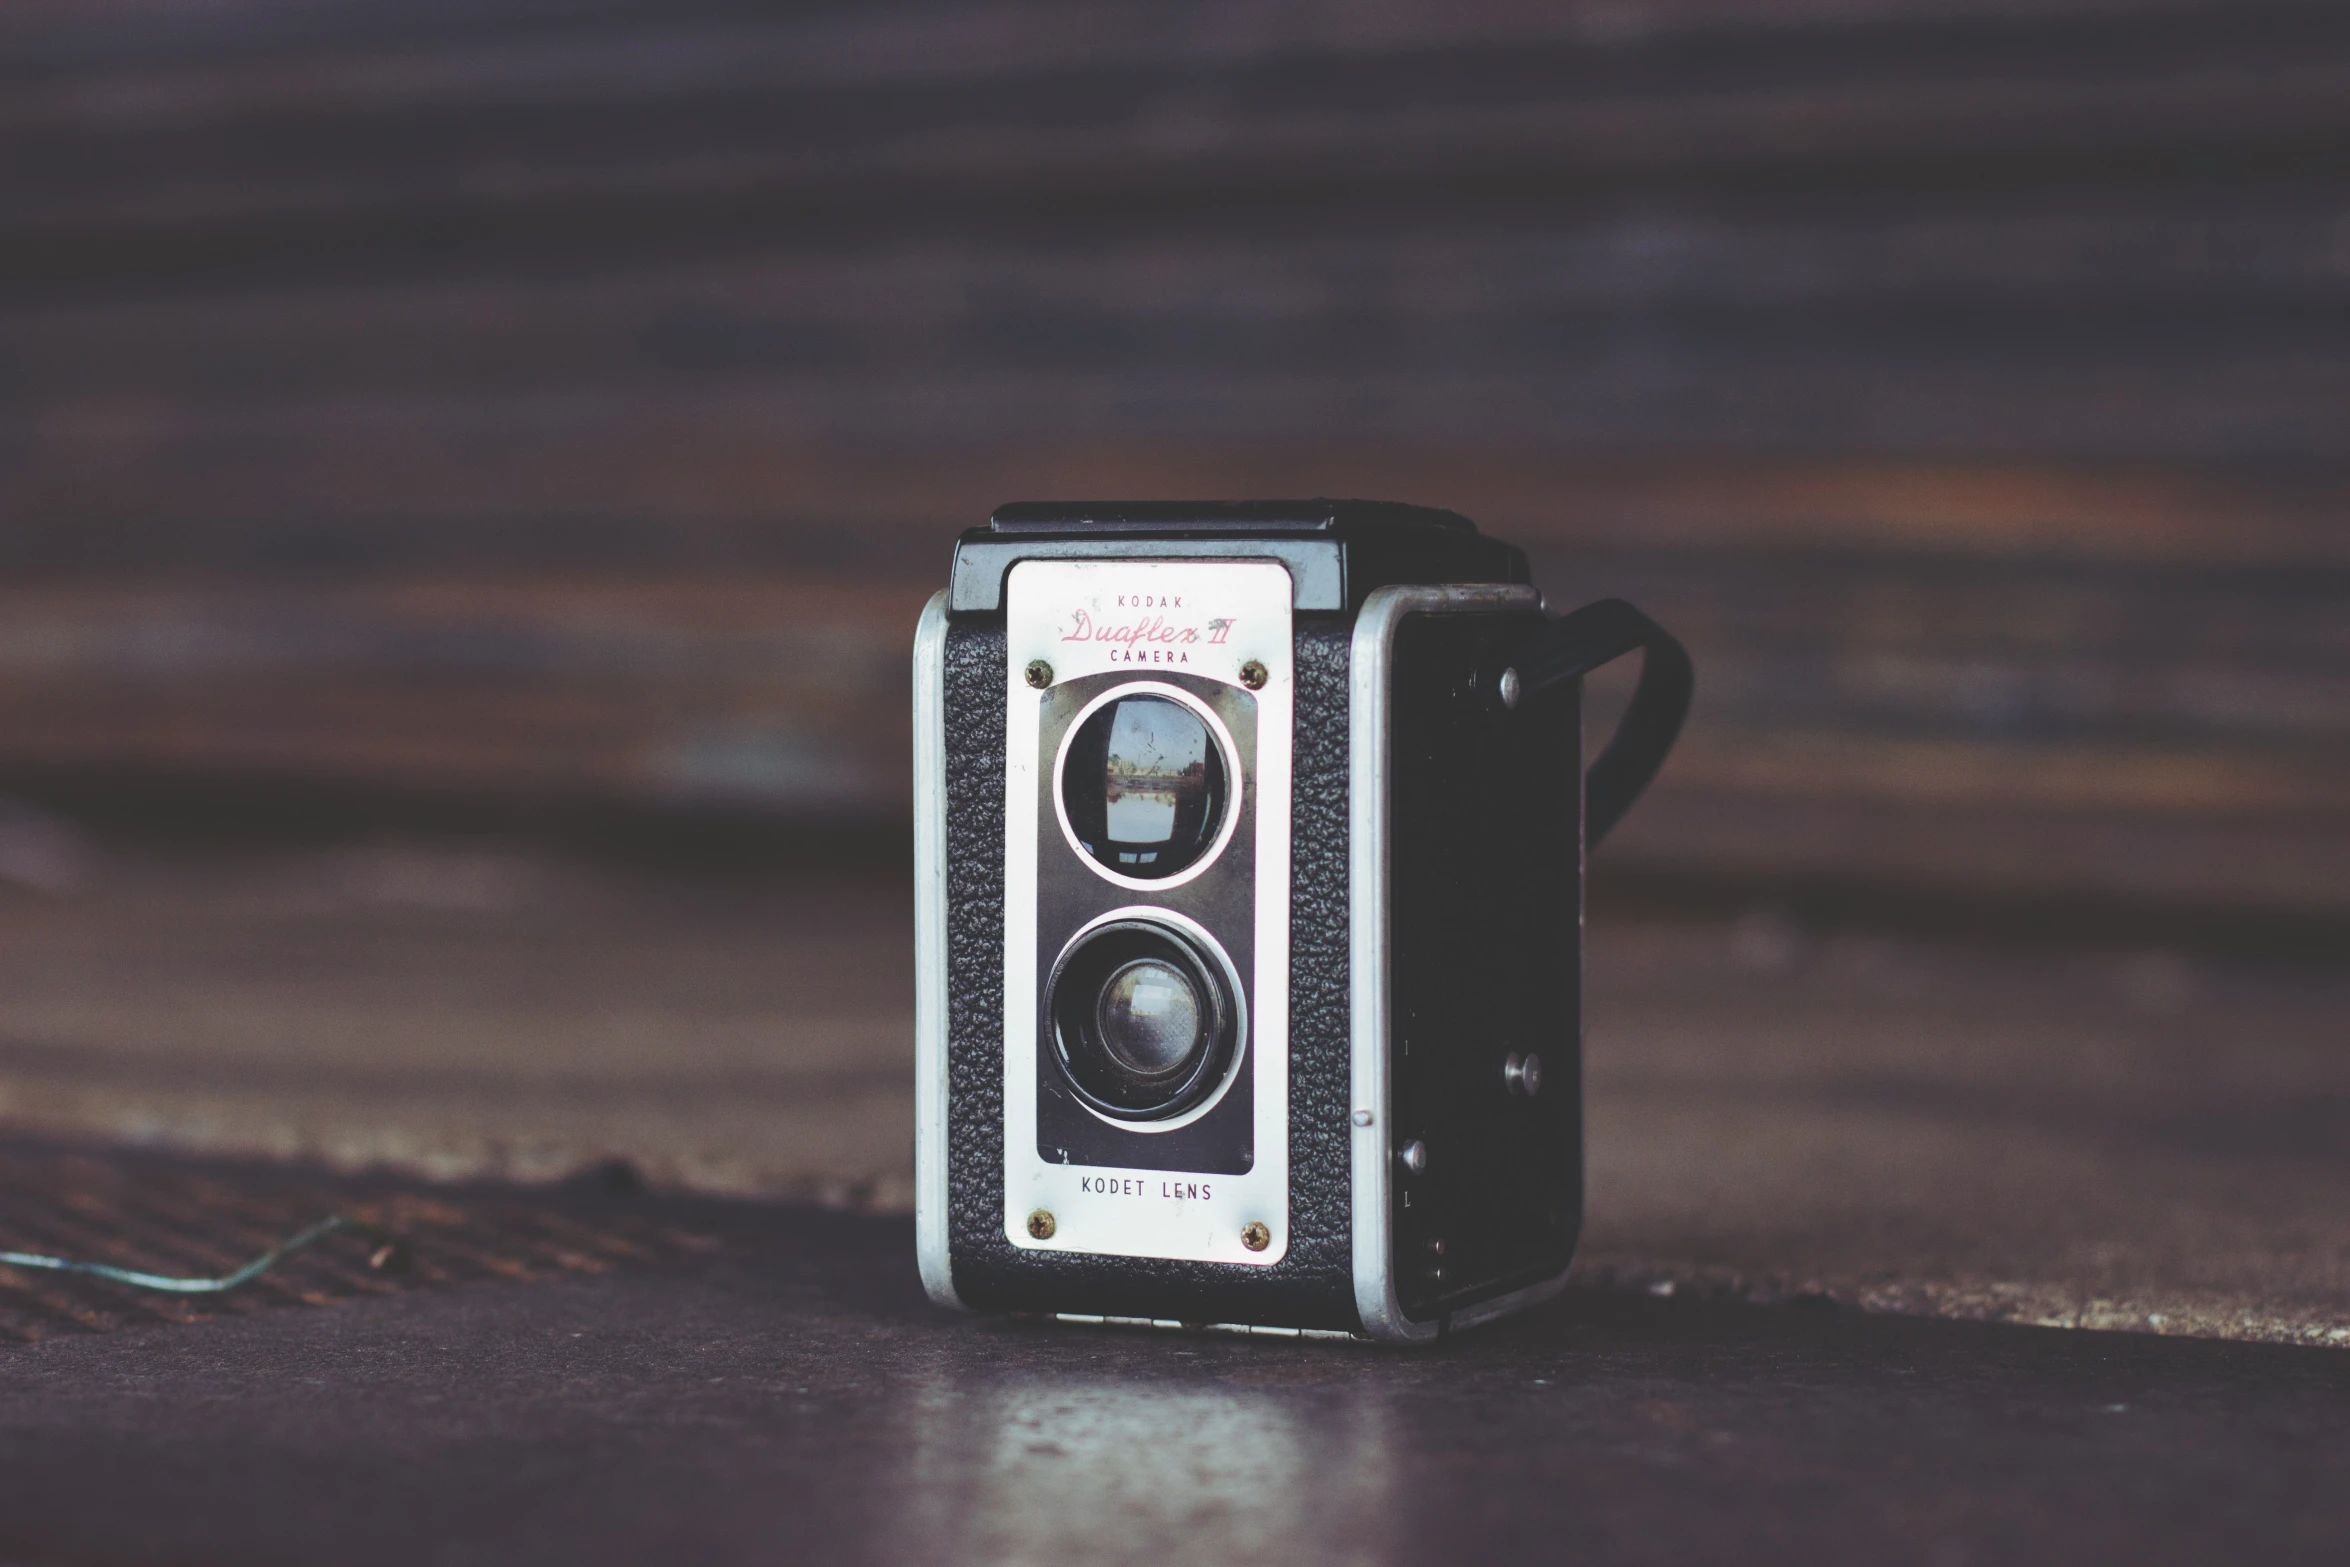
x=1040, y=1225
x=1040, y=674
x=1252, y=675
x=1255, y=1236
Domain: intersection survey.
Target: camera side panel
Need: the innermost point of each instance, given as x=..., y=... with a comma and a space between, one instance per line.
x=1486, y=959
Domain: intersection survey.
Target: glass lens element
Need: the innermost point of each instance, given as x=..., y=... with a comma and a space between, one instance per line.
x=1149, y=1016
x=1157, y=750
x=1142, y=1020
x=1144, y=786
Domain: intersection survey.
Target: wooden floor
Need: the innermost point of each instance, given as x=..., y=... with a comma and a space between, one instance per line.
x=2106, y=1136
x=783, y=1390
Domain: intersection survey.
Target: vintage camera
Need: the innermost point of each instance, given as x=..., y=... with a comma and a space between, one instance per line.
x=1249, y=889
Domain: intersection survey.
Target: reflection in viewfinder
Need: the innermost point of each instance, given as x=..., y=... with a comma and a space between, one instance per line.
x=1156, y=750
x=1143, y=786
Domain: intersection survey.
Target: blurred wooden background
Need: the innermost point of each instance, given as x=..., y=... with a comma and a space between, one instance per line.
x=545, y=406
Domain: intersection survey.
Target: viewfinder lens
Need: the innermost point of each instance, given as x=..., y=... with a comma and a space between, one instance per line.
x=1144, y=786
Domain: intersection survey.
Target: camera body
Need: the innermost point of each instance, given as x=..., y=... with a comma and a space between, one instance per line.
x=1249, y=870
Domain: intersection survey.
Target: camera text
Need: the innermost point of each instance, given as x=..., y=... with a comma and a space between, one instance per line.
x=1149, y=639
x=1133, y=1186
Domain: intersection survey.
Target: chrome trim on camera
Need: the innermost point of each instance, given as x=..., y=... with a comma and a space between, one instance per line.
x=1370, y=667
x=930, y=954
x=1252, y=621
x=1084, y=1319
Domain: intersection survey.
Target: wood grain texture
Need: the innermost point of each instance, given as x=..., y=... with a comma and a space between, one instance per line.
x=2149, y=730
x=485, y=400
x=2116, y=1137
x=757, y=695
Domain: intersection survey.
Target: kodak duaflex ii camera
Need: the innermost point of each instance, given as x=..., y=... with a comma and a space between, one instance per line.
x=1249, y=888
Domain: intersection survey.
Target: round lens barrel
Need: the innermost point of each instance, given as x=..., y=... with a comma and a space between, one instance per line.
x=1141, y=1020
x=1144, y=786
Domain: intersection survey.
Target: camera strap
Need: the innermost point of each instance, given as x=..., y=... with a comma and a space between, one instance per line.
x=1574, y=645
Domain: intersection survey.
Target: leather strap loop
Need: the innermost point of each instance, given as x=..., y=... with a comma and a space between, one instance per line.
x=1574, y=645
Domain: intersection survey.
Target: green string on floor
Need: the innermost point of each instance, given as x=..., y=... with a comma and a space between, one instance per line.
x=387, y=1257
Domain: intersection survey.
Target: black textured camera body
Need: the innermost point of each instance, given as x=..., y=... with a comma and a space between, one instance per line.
x=1435, y=828
x=1313, y=1285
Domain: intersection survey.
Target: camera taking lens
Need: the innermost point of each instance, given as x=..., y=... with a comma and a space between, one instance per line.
x=1144, y=786
x=1141, y=1020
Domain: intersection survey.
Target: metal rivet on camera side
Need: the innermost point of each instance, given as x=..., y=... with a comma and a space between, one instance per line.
x=1523, y=1073
x=1362, y=1118
x=1041, y=1225
x=1511, y=686
x=1040, y=674
x=1255, y=1236
x=1436, y=1247
x=1414, y=1155
x=1252, y=675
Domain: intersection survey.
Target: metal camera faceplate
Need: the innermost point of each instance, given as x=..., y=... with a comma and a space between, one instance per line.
x=1215, y=638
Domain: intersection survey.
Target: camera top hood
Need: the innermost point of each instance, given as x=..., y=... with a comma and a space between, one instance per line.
x=1336, y=551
